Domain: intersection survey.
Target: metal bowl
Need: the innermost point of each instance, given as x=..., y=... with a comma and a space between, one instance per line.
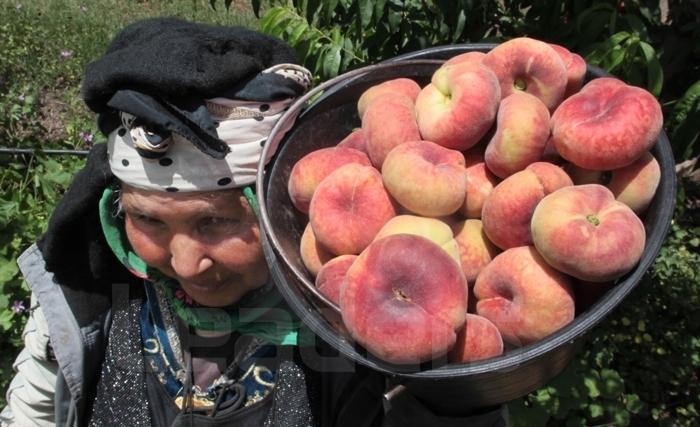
x=325, y=121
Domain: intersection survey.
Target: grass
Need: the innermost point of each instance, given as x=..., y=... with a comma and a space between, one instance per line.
x=45, y=45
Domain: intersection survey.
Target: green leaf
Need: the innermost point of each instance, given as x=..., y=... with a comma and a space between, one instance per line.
x=269, y=20
x=596, y=410
x=6, y=317
x=297, y=31
x=379, y=10
x=687, y=103
x=331, y=61
x=611, y=383
x=8, y=270
x=655, y=74
x=365, y=9
x=330, y=8
x=591, y=384
x=633, y=403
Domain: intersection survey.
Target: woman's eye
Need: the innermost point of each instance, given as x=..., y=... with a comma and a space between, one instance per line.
x=147, y=220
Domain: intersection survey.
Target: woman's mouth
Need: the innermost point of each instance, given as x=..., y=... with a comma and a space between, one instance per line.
x=207, y=287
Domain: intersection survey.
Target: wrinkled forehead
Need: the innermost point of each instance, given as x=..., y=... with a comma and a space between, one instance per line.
x=209, y=202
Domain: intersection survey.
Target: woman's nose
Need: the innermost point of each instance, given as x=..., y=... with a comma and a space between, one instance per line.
x=188, y=257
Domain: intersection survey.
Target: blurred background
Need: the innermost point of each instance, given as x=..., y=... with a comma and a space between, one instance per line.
x=641, y=366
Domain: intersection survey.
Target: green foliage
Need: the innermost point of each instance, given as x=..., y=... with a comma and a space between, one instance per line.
x=641, y=365
x=634, y=40
x=683, y=124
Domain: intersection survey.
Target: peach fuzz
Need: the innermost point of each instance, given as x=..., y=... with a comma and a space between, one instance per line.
x=475, y=249
x=390, y=120
x=480, y=183
x=479, y=339
x=425, y=178
x=355, y=139
x=348, y=208
x=607, y=125
x=458, y=106
x=432, y=229
x=330, y=278
x=575, y=69
x=508, y=209
x=401, y=85
x=313, y=254
x=467, y=57
x=584, y=232
x=634, y=185
x=525, y=64
x=523, y=296
x=522, y=130
x=404, y=299
x=310, y=170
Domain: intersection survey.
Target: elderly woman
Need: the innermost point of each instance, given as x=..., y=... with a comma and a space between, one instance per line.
x=151, y=299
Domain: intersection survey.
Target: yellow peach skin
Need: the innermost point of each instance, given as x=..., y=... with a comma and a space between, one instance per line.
x=475, y=249
x=432, y=229
x=522, y=130
x=425, y=178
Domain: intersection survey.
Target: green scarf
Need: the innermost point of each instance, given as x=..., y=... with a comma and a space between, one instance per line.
x=261, y=313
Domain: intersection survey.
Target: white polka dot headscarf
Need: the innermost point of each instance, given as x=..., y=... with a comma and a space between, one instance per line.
x=172, y=163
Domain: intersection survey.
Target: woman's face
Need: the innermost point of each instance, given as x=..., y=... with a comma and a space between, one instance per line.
x=209, y=242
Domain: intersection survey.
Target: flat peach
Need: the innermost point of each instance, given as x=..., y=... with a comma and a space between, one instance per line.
x=425, y=178
x=349, y=207
x=575, y=69
x=523, y=296
x=522, y=131
x=313, y=254
x=433, y=229
x=389, y=120
x=584, y=232
x=479, y=339
x=329, y=280
x=525, y=64
x=480, y=183
x=400, y=85
x=459, y=106
x=508, y=209
x=310, y=170
x=608, y=124
x=404, y=299
x=475, y=249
